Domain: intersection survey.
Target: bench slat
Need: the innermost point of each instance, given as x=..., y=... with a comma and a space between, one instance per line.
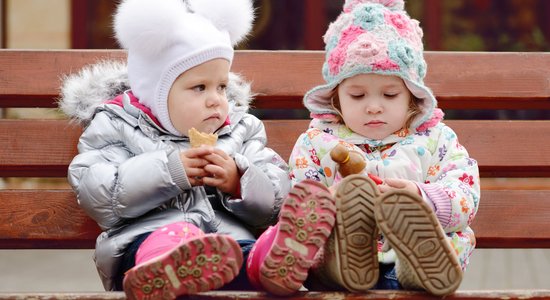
x=44, y=219
x=37, y=148
x=53, y=219
x=460, y=80
x=54, y=145
x=235, y=295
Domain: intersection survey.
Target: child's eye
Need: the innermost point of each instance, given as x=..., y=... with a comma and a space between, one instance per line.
x=357, y=96
x=391, y=95
x=199, y=88
x=222, y=87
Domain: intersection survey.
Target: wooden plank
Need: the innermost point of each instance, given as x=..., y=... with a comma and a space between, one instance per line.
x=479, y=76
x=18, y=77
x=505, y=148
x=460, y=80
x=45, y=219
x=488, y=183
x=513, y=219
x=41, y=148
x=237, y=295
x=44, y=148
x=52, y=219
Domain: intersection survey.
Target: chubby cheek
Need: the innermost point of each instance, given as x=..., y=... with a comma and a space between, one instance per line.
x=182, y=122
x=355, y=123
x=399, y=118
x=180, y=116
x=353, y=116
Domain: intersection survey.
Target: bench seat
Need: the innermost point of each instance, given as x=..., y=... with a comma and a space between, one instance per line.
x=238, y=295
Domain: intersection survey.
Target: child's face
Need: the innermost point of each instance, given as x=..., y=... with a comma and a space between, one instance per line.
x=374, y=106
x=197, y=97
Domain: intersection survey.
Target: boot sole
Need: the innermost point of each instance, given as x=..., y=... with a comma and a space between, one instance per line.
x=356, y=233
x=414, y=232
x=199, y=265
x=305, y=222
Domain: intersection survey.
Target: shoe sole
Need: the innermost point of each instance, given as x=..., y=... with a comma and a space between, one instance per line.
x=305, y=222
x=414, y=232
x=199, y=265
x=356, y=234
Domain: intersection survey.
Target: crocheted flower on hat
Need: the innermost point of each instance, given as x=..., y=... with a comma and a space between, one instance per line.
x=391, y=4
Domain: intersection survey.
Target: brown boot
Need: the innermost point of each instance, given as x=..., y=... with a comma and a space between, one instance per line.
x=350, y=257
x=425, y=258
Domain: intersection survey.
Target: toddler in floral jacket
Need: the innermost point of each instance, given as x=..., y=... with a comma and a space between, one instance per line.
x=374, y=102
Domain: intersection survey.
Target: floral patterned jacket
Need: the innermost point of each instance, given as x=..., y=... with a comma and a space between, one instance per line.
x=431, y=156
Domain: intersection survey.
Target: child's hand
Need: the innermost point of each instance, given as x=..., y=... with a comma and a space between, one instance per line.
x=394, y=183
x=194, y=162
x=222, y=172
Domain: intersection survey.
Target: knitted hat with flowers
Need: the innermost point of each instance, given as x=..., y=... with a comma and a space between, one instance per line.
x=373, y=37
x=165, y=38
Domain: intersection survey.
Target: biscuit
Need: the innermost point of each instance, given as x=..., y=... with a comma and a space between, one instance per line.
x=197, y=138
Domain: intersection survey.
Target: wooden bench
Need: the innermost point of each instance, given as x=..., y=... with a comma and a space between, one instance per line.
x=511, y=215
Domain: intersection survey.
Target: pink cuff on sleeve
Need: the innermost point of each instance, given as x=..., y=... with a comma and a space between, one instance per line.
x=440, y=200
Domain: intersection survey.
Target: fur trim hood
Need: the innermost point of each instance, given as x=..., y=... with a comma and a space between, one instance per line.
x=83, y=92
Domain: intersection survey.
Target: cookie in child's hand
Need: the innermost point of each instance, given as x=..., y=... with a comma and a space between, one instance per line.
x=197, y=138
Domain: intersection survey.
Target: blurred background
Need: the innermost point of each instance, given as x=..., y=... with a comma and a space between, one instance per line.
x=453, y=25
x=458, y=25
x=449, y=25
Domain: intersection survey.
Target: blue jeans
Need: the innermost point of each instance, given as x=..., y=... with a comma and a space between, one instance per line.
x=129, y=259
x=387, y=279
x=239, y=283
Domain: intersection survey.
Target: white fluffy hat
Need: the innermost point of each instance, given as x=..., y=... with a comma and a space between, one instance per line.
x=165, y=38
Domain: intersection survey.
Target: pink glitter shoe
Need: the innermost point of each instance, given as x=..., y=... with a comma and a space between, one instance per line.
x=306, y=220
x=198, y=264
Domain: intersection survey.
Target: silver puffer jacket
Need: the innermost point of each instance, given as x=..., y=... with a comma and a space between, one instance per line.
x=128, y=176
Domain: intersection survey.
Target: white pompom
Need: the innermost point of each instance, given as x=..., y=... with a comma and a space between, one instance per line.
x=234, y=16
x=148, y=26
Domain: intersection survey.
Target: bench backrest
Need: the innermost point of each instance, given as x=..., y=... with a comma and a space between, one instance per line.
x=509, y=217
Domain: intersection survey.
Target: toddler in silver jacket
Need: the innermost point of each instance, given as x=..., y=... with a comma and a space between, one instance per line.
x=179, y=220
